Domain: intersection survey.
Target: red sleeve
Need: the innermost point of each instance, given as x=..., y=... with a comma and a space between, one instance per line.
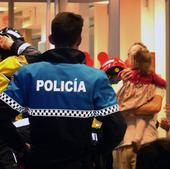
x=159, y=81
x=120, y=74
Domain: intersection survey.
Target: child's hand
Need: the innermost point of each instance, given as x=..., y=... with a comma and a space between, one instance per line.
x=165, y=124
x=126, y=74
x=5, y=42
x=167, y=109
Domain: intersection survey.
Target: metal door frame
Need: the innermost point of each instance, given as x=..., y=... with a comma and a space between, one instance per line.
x=167, y=2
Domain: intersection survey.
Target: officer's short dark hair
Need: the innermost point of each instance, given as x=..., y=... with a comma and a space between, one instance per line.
x=66, y=28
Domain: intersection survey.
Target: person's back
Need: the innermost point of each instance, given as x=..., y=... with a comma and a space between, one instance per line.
x=61, y=110
x=62, y=95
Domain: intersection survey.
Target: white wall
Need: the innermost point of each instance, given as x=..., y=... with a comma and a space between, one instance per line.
x=147, y=24
x=160, y=40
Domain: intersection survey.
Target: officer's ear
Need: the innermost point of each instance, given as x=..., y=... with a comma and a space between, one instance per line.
x=51, y=39
x=79, y=41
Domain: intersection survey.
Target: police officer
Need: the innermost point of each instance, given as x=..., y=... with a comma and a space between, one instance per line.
x=14, y=52
x=62, y=95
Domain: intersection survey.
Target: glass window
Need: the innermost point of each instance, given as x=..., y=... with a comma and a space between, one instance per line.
x=30, y=20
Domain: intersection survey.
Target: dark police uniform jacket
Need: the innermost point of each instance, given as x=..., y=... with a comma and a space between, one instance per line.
x=62, y=96
x=21, y=53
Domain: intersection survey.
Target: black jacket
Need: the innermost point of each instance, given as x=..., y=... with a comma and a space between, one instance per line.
x=8, y=157
x=59, y=149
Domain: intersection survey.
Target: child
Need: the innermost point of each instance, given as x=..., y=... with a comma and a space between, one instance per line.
x=139, y=89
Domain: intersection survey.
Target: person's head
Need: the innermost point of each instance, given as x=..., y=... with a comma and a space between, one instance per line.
x=12, y=33
x=135, y=47
x=143, y=61
x=112, y=67
x=9, y=35
x=66, y=30
x=154, y=155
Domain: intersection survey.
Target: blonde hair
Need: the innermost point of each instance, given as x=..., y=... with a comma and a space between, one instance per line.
x=134, y=48
x=143, y=60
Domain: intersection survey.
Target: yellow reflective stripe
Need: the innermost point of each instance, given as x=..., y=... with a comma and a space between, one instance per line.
x=3, y=82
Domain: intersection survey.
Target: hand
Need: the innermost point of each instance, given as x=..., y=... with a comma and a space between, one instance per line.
x=126, y=74
x=165, y=124
x=167, y=109
x=6, y=42
x=28, y=146
x=23, y=156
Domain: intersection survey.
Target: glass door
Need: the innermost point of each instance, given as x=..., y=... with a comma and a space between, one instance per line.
x=31, y=19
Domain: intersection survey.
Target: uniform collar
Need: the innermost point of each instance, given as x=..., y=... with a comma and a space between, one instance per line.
x=63, y=55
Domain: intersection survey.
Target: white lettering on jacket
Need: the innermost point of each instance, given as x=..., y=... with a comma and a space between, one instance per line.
x=62, y=86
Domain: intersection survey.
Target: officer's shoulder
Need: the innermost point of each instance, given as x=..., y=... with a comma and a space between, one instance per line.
x=28, y=67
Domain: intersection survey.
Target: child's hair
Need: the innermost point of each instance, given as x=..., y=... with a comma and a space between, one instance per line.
x=135, y=47
x=143, y=60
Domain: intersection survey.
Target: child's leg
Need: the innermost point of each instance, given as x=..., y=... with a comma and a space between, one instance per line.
x=140, y=128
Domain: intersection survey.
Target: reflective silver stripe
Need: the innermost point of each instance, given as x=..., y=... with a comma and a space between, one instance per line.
x=14, y=33
x=22, y=48
x=94, y=136
x=15, y=158
x=12, y=103
x=73, y=113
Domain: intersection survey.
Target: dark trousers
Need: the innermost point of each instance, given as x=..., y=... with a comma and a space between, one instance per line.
x=7, y=157
x=109, y=161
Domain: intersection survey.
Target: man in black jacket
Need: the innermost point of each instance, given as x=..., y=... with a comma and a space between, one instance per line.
x=62, y=95
x=14, y=52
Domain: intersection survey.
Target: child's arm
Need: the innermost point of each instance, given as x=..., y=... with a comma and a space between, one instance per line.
x=154, y=106
x=165, y=124
x=159, y=81
x=149, y=108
